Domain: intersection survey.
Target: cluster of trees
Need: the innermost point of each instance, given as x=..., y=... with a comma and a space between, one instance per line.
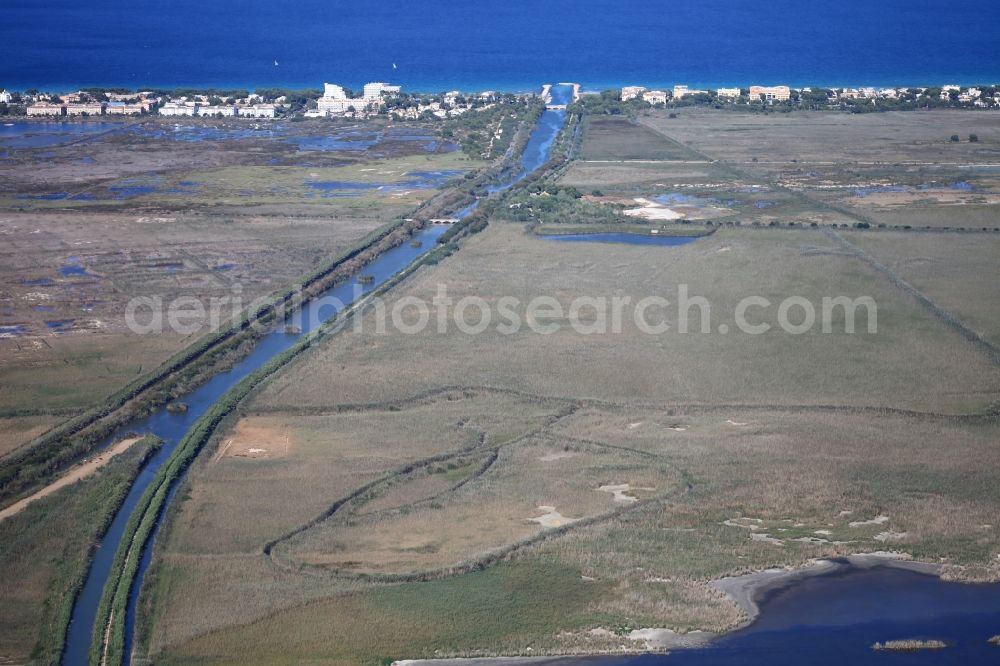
x=609, y=102
x=475, y=131
x=551, y=203
x=402, y=101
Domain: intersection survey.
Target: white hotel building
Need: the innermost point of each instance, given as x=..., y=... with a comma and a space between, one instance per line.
x=335, y=100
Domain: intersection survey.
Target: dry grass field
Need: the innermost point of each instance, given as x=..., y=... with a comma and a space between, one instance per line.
x=847, y=139
x=19, y=430
x=617, y=138
x=959, y=273
x=399, y=495
x=201, y=209
x=893, y=169
x=742, y=452
x=889, y=368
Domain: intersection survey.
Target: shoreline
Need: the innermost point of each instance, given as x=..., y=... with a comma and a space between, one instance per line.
x=745, y=591
x=525, y=87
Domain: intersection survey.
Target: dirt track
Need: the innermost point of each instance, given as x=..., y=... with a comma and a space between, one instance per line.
x=83, y=470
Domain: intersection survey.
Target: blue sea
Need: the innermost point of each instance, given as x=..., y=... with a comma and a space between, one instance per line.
x=433, y=45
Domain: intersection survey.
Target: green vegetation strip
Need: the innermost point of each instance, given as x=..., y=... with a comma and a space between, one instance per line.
x=107, y=646
x=109, y=627
x=62, y=446
x=61, y=530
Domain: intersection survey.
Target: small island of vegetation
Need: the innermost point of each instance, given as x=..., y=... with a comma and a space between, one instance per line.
x=910, y=645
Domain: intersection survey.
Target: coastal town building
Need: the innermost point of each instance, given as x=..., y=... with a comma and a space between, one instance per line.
x=224, y=110
x=179, y=109
x=45, y=109
x=126, y=109
x=336, y=102
x=655, y=96
x=338, y=105
x=333, y=91
x=947, y=90
x=728, y=92
x=632, y=92
x=970, y=95
x=681, y=91
x=771, y=93
x=5, y=97
x=85, y=109
x=374, y=91
x=257, y=111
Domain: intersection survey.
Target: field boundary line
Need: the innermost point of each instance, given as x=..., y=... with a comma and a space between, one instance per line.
x=945, y=316
x=430, y=396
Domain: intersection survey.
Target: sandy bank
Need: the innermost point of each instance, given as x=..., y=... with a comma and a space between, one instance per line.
x=745, y=590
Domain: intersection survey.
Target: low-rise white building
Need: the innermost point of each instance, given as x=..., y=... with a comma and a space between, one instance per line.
x=631, y=92
x=336, y=105
x=681, y=91
x=179, y=109
x=728, y=92
x=126, y=109
x=374, y=91
x=771, y=93
x=257, y=111
x=224, y=110
x=46, y=109
x=655, y=96
x=85, y=109
x=4, y=97
x=970, y=95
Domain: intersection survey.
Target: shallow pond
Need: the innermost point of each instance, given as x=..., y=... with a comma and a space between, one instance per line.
x=25, y=134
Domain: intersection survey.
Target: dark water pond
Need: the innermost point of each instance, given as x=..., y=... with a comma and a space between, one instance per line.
x=833, y=619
